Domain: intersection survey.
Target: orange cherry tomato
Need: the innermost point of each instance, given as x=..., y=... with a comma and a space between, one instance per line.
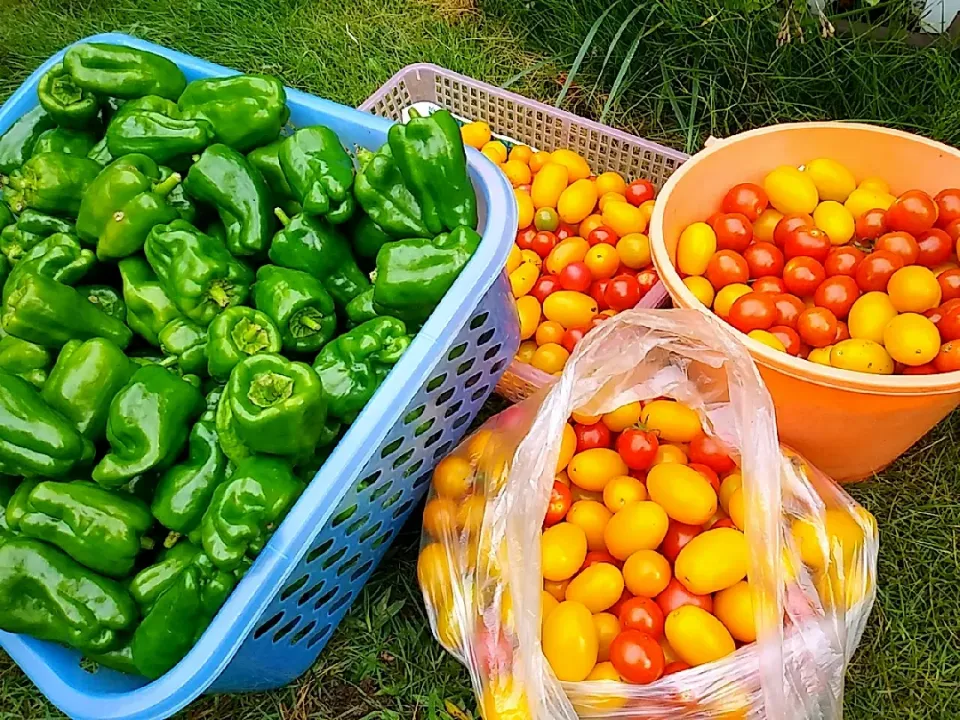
x=549, y=332
x=603, y=261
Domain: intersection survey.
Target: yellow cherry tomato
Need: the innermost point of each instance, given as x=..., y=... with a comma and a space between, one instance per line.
x=526, y=351
x=548, y=603
x=570, y=641
x=453, y=476
x=577, y=201
x=728, y=486
x=449, y=629
x=477, y=445
x=842, y=531
x=538, y=160
x=563, y=549
x=697, y=244
x=602, y=260
x=820, y=356
x=943, y=267
x=727, y=296
x=521, y=153
x=669, y=454
x=862, y=199
x=646, y=210
x=502, y=700
x=673, y=420
x=523, y=279
x=701, y=289
x=434, y=574
x=530, y=256
x=589, y=224
x=528, y=308
x=517, y=173
x=608, y=627
x=768, y=339
x=525, y=209
x=682, y=492
x=497, y=149
x=549, y=332
x=582, y=417
x=713, y=560
x=576, y=166
x=548, y=185
x=568, y=250
x=637, y=526
x=611, y=182
x=738, y=509
x=734, y=608
x=440, y=518
x=875, y=184
x=914, y=289
x=591, y=517
x=862, y=355
x=608, y=198
x=592, y=469
x=623, y=218
x=697, y=636
x=911, y=339
x=634, y=251
x=470, y=514
x=791, y=191
x=570, y=308
x=647, y=573
x=764, y=225
x=598, y=587
x=869, y=315
x=835, y=220
x=475, y=134
x=833, y=180
x=514, y=258
x=568, y=447
x=623, y=417
x=621, y=490
x=556, y=589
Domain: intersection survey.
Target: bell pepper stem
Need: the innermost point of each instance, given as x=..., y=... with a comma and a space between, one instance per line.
x=172, y=539
x=147, y=543
x=219, y=295
x=363, y=156
x=165, y=187
x=282, y=216
x=414, y=113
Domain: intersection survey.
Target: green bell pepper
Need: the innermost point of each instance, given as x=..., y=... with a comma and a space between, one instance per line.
x=315, y=247
x=266, y=160
x=320, y=173
x=270, y=405
x=223, y=178
x=68, y=104
x=6, y=216
x=51, y=182
x=84, y=382
x=34, y=438
x=237, y=333
x=119, y=659
x=187, y=342
x=123, y=72
x=177, y=198
x=16, y=144
x=414, y=275
x=360, y=309
x=197, y=271
x=4, y=269
x=46, y=594
x=246, y=508
x=58, y=257
x=126, y=231
x=101, y=154
x=385, y=198
x=50, y=313
x=149, y=308
x=107, y=299
x=433, y=162
x=300, y=306
x=66, y=141
x=246, y=111
x=7, y=487
x=115, y=186
x=160, y=136
x=147, y=425
x=353, y=366
x=98, y=528
x=367, y=238
x=31, y=227
x=18, y=502
x=26, y=360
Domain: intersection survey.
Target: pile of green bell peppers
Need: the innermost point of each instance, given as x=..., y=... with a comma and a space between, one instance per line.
x=194, y=305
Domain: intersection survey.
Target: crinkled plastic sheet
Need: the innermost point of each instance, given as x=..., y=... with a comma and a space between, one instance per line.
x=486, y=609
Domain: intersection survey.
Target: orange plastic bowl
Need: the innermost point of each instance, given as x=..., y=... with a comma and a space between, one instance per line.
x=849, y=424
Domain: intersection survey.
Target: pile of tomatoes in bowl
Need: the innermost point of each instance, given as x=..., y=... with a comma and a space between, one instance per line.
x=812, y=263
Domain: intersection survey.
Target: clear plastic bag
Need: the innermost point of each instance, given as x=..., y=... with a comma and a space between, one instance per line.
x=813, y=548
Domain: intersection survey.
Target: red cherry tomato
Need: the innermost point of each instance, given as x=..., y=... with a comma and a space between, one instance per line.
x=560, y=502
x=602, y=234
x=763, y=258
x=597, y=291
x=803, y=275
x=676, y=595
x=642, y=613
x=564, y=231
x=788, y=309
x=872, y=224
x=639, y=191
x=949, y=284
x=843, y=332
x=571, y=337
x=525, y=238
x=618, y=605
x=599, y=556
x=749, y=199
x=914, y=212
x=876, y=269
x=545, y=286
x=707, y=473
x=543, y=242
x=953, y=230
x=753, y=311
x=948, y=206
x=949, y=322
x=637, y=448
x=575, y=276
x=493, y=650
x=948, y=359
x=837, y=294
x=725, y=268
x=788, y=336
x=935, y=247
x=807, y=241
x=648, y=279
x=899, y=243
x=592, y=436
x=789, y=223
x=710, y=452
x=843, y=260
x=622, y=292
x=925, y=369
x=637, y=657
x=723, y=523
x=678, y=535
x=769, y=284
x=675, y=667
x=817, y=327
x=734, y=231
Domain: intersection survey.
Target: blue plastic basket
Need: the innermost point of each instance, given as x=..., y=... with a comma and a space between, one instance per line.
x=281, y=615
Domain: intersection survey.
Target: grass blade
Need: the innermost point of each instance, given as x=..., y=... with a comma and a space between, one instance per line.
x=624, y=67
x=587, y=41
x=613, y=45
x=523, y=73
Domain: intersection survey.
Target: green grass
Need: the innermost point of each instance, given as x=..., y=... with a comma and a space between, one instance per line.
x=678, y=72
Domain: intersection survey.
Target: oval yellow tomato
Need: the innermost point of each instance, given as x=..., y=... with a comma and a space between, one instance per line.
x=667, y=453
x=563, y=549
x=453, y=476
x=608, y=700
x=623, y=218
x=672, y=420
x=517, y=173
x=577, y=201
x=820, y=356
x=592, y=469
x=597, y=588
x=697, y=244
x=869, y=315
x=768, y=339
x=528, y=308
x=550, y=357
x=568, y=447
x=548, y=185
x=576, y=166
x=475, y=134
x=623, y=417
x=621, y=490
x=521, y=153
x=568, y=250
x=611, y=182
x=682, y=492
x=470, y=514
x=791, y=191
x=647, y=573
x=570, y=308
x=712, y=561
x=734, y=608
x=911, y=339
x=728, y=486
x=835, y=220
x=526, y=351
x=634, y=251
x=727, y=296
x=591, y=517
x=525, y=209
x=548, y=603
x=523, y=279
x=863, y=199
x=833, y=180
x=609, y=197
x=862, y=355
x=697, y=636
x=503, y=700
x=764, y=225
x=495, y=150
x=570, y=642
x=637, y=526
x=435, y=575
x=875, y=184
x=608, y=627
x=514, y=258
x=440, y=518
x=701, y=289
